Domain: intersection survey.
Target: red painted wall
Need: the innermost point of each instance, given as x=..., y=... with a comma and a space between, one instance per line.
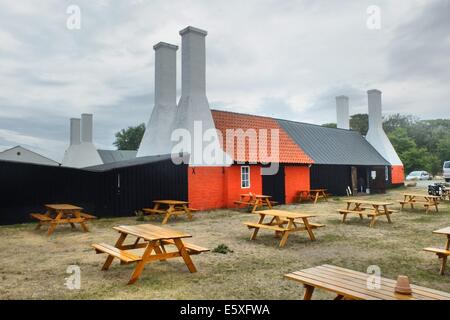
x=206, y=187
x=233, y=188
x=398, y=174
x=296, y=178
x=218, y=187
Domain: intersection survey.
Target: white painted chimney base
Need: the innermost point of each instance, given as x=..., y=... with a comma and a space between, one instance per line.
x=376, y=135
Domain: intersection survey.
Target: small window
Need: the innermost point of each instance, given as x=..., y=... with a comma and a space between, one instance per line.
x=245, y=177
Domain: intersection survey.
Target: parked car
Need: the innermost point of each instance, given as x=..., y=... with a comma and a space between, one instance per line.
x=446, y=171
x=418, y=175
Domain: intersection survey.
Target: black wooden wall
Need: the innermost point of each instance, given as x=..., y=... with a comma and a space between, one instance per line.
x=336, y=178
x=25, y=188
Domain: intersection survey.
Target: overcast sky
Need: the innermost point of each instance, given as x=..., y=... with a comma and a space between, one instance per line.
x=282, y=58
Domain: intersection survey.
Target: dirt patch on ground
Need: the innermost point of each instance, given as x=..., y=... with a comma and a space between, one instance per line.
x=33, y=266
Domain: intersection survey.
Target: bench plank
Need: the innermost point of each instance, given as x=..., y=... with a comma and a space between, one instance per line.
x=122, y=255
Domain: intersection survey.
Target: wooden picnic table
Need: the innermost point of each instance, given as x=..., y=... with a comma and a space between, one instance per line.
x=429, y=201
x=155, y=241
x=283, y=223
x=255, y=201
x=62, y=214
x=312, y=194
x=442, y=253
x=169, y=208
x=373, y=210
x=352, y=285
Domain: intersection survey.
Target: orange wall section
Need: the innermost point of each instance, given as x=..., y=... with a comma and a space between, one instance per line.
x=219, y=187
x=296, y=178
x=205, y=187
x=232, y=184
x=398, y=174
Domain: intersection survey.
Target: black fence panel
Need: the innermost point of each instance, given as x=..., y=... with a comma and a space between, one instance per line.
x=25, y=188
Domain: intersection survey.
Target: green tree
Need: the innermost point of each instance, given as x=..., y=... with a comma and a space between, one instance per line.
x=413, y=157
x=329, y=125
x=130, y=138
x=360, y=122
x=443, y=149
x=394, y=121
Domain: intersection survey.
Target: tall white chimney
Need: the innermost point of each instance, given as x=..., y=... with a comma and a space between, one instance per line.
x=75, y=131
x=82, y=153
x=342, y=112
x=158, y=131
x=193, y=112
x=86, y=127
x=376, y=135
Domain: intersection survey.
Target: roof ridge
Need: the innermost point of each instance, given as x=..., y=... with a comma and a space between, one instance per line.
x=280, y=119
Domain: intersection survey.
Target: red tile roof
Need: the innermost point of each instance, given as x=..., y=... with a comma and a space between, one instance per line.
x=289, y=151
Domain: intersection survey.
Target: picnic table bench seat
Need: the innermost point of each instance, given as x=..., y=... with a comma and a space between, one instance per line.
x=40, y=217
x=122, y=255
x=252, y=225
x=87, y=216
x=439, y=251
x=191, y=248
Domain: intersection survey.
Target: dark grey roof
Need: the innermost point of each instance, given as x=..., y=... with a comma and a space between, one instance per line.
x=109, y=156
x=333, y=146
x=136, y=162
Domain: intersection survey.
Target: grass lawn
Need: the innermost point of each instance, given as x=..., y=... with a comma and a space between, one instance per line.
x=33, y=266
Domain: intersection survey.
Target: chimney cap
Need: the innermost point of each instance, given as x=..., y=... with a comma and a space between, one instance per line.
x=374, y=91
x=342, y=97
x=193, y=29
x=166, y=45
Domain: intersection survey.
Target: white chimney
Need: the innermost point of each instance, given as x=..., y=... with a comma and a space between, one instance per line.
x=342, y=112
x=376, y=135
x=158, y=131
x=193, y=112
x=86, y=127
x=75, y=131
x=84, y=154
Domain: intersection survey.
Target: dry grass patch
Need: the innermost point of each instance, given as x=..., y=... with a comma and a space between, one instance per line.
x=33, y=266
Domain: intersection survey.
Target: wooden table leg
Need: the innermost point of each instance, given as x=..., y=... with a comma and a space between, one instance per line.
x=269, y=205
x=374, y=217
x=339, y=297
x=316, y=198
x=309, y=229
x=308, y=292
x=286, y=233
x=188, y=212
x=324, y=193
x=443, y=265
x=386, y=211
x=168, y=213
x=54, y=223
x=185, y=255
x=118, y=244
x=141, y=264
x=255, y=231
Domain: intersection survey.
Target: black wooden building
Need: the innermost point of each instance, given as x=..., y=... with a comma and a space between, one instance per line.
x=342, y=159
x=110, y=190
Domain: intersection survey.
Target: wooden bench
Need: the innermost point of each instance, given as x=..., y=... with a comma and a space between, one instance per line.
x=252, y=225
x=41, y=217
x=439, y=251
x=442, y=254
x=87, y=216
x=191, y=248
x=122, y=255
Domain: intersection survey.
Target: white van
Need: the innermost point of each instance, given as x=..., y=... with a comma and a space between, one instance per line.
x=446, y=171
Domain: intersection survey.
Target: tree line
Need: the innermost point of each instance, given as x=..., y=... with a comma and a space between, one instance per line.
x=420, y=144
